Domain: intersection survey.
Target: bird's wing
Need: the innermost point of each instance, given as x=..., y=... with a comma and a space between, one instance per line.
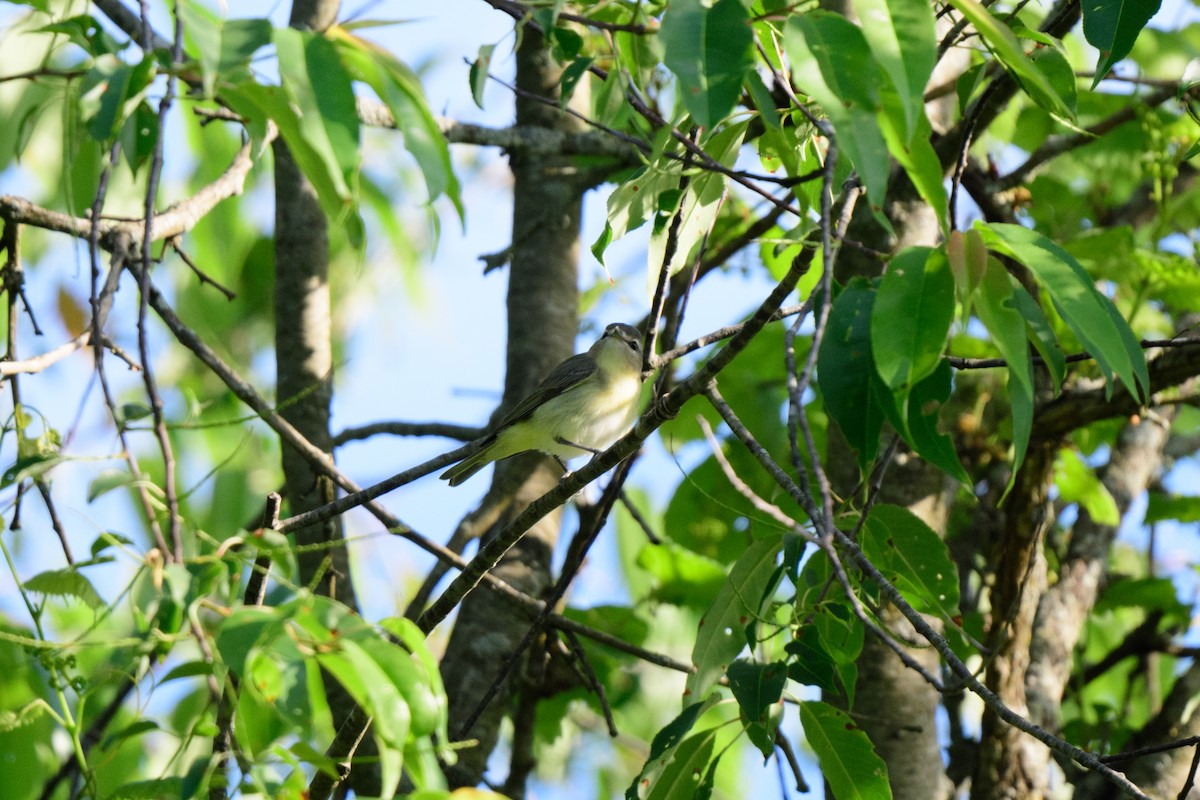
x=569, y=373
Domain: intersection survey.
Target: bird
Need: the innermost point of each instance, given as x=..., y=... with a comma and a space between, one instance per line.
x=584, y=405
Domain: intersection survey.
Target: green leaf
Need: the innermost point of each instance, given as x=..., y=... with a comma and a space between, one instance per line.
x=30, y=467
x=371, y=688
x=1090, y=315
x=902, y=39
x=810, y=664
x=682, y=778
x=1184, y=508
x=189, y=669
x=478, y=74
x=110, y=90
x=913, y=558
x=846, y=374
x=410, y=679
x=1054, y=65
x=1112, y=26
x=400, y=90
x=999, y=37
x=148, y=790
x=910, y=318
x=920, y=162
x=832, y=62
x=709, y=50
x=681, y=577
x=1038, y=329
x=848, y=761
x=757, y=687
x=255, y=102
x=920, y=430
x=698, y=207
x=65, y=583
x=245, y=628
x=1077, y=483
x=998, y=313
x=320, y=87
x=721, y=632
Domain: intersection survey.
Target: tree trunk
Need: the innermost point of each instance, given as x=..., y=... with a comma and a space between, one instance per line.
x=542, y=323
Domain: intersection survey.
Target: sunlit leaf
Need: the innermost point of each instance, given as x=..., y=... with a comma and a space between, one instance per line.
x=709, y=50
x=721, y=635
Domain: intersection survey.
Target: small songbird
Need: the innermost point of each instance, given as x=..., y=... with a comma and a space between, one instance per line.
x=584, y=405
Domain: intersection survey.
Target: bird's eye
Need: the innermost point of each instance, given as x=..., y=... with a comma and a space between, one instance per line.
x=634, y=345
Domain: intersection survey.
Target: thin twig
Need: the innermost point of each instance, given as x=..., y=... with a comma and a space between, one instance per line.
x=463, y=433
x=170, y=491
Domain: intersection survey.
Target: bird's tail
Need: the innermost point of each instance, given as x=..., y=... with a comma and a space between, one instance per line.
x=468, y=466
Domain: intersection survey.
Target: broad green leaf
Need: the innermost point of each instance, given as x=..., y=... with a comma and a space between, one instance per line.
x=1089, y=314
x=65, y=583
x=221, y=46
x=810, y=664
x=1077, y=483
x=202, y=37
x=998, y=313
x=709, y=50
x=1054, y=65
x=832, y=64
x=848, y=761
x=410, y=636
x=1184, y=508
x=902, y=39
x=30, y=467
x=721, y=634
x=910, y=318
x=920, y=427
x=400, y=90
x=756, y=687
x=846, y=374
x=371, y=688
x=1112, y=26
x=245, y=628
x=110, y=91
x=1000, y=39
x=913, y=558
x=410, y=679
